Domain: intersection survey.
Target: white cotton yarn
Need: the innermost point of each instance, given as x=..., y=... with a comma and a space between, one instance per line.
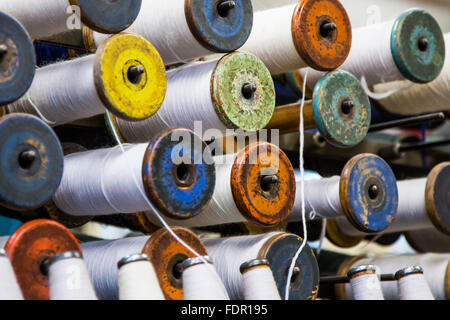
x=101, y=260
x=273, y=26
x=62, y=92
x=200, y=283
x=164, y=24
x=419, y=98
x=41, y=18
x=9, y=288
x=321, y=199
x=435, y=268
x=138, y=279
x=259, y=283
x=230, y=253
x=188, y=99
x=412, y=284
x=103, y=182
x=68, y=278
x=365, y=283
x=370, y=57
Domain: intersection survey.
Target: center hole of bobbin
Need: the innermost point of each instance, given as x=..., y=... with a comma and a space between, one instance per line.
x=135, y=74
x=422, y=44
x=347, y=107
x=268, y=183
x=3, y=50
x=374, y=192
x=224, y=8
x=327, y=29
x=248, y=90
x=26, y=159
x=184, y=174
x=296, y=278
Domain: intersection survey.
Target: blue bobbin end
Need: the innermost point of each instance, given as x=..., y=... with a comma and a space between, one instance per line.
x=305, y=281
x=341, y=109
x=180, y=189
x=219, y=25
x=368, y=193
x=418, y=46
x=31, y=162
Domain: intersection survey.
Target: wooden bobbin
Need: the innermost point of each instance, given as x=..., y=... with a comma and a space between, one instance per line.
x=53, y=212
x=261, y=202
x=130, y=77
x=417, y=45
x=217, y=27
x=437, y=197
x=31, y=162
x=279, y=251
x=368, y=193
x=340, y=110
x=339, y=238
x=242, y=91
x=166, y=254
x=29, y=246
x=17, y=60
x=180, y=190
x=342, y=272
x=108, y=16
x=320, y=47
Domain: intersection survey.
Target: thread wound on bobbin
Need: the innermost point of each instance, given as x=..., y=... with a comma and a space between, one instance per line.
x=322, y=33
x=408, y=271
x=108, y=16
x=29, y=246
x=133, y=258
x=183, y=188
x=368, y=193
x=263, y=184
x=32, y=162
x=341, y=109
x=194, y=261
x=255, y=263
x=166, y=254
x=437, y=197
x=220, y=25
x=17, y=60
x=361, y=270
x=338, y=238
x=47, y=263
x=417, y=45
x=279, y=251
x=243, y=92
x=130, y=77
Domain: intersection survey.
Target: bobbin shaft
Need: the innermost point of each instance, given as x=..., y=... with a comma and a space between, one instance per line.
x=287, y=118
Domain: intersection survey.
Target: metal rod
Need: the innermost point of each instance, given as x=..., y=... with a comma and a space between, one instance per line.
x=412, y=121
x=344, y=279
x=423, y=145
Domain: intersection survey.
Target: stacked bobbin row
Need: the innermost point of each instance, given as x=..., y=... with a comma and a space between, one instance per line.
x=163, y=118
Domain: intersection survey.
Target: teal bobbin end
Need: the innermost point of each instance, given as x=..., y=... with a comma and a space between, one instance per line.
x=418, y=46
x=368, y=193
x=341, y=109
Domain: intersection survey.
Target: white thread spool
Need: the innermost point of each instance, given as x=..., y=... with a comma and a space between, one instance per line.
x=62, y=92
x=137, y=279
x=40, y=18
x=419, y=98
x=365, y=283
x=68, y=277
x=435, y=266
x=102, y=182
x=188, y=87
x=412, y=284
x=370, y=57
x=258, y=281
x=428, y=240
x=200, y=283
x=9, y=288
x=274, y=26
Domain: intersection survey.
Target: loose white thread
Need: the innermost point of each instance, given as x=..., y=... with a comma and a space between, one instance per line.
x=62, y=92
x=419, y=98
x=259, y=284
x=274, y=26
x=69, y=280
x=9, y=288
x=302, y=194
x=40, y=18
x=164, y=24
x=188, y=89
x=138, y=281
